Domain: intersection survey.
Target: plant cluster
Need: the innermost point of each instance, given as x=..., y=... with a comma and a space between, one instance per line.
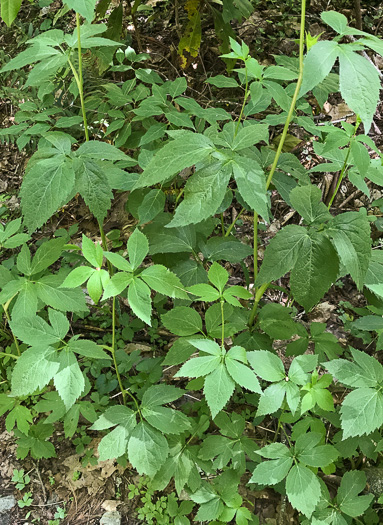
x=256, y=417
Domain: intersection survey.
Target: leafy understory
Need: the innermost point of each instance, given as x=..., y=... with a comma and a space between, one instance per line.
x=236, y=387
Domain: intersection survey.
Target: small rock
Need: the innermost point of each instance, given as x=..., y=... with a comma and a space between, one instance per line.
x=5, y=519
x=374, y=477
x=111, y=518
x=7, y=503
x=269, y=512
x=110, y=505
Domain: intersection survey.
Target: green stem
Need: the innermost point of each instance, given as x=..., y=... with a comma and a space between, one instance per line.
x=4, y=354
x=233, y=223
x=255, y=247
x=223, y=324
x=342, y=173
x=261, y=290
x=5, y=308
x=344, y=167
x=105, y=247
x=80, y=83
x=244, y=101
x=222, y=226
x=113, y=351
x=135, y=402
x=295, y=96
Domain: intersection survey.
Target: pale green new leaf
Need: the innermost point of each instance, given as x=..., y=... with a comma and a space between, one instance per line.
x=282, y=253
x=359, y=84
x=69, y=380
x=218, y=389
x=300, y=368
x=204, y=193
x=180, y=153
x=34, y=369
x=147, y=449
x=303, y=489
x=318, y=64
x=46, y=186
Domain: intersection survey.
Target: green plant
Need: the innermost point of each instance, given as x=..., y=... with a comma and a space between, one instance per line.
x=26, y=500
x=175, y=274
x=21, y=479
